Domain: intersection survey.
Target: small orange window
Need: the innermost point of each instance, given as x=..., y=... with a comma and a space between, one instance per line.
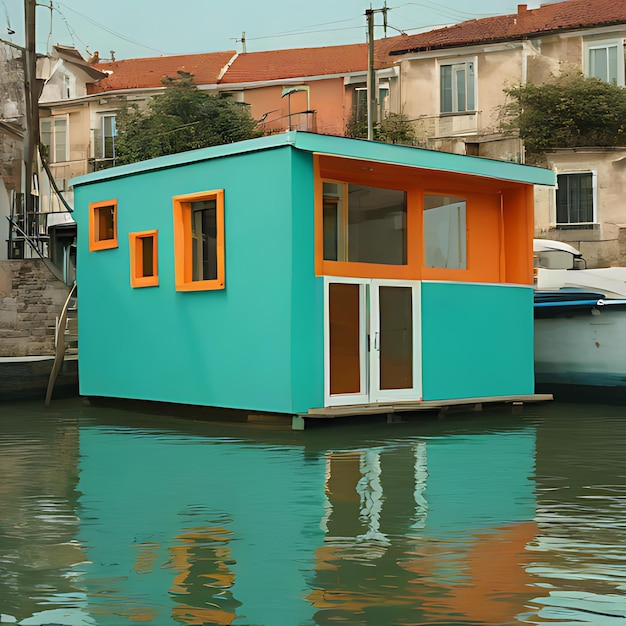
x=199, y=241
x=144, y=259
x=103, y=225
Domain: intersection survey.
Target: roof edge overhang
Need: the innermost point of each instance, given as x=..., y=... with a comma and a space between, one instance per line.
x=358, y=149
x=517, y=37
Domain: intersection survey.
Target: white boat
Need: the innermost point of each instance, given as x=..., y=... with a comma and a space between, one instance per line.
x=580, y=326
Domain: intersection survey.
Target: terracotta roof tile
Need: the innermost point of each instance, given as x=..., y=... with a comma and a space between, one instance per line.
x=246, y=68
x=296, y=62
x=148, y=72
x=561, y=16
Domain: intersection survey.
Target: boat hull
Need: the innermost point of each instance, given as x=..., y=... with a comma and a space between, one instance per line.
x=580, y=349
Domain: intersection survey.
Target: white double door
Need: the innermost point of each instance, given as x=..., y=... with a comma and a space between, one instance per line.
x=372, y=336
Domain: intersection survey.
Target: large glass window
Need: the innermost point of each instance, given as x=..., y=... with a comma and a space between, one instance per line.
x=199, y=241
x=364, y=224
x=444, y=232
x=104, y=139
x=458, y=87
x=54, y=138
x=603, y=61
x=574, y=199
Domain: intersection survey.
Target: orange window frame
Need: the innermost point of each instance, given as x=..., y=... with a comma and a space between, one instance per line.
x=183, y=244
x=138, y=277
x=499, y=222
x=96, y=218
x=324, y=267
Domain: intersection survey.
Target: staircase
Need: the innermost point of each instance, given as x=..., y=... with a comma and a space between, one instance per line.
x=70, y=333
x=66, y=338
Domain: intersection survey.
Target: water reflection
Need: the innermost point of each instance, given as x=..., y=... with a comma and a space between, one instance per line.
x=38, y=520
x=116, y=518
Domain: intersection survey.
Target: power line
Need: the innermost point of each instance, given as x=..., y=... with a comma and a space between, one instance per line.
x=304, y=32
x=450, y=12
x=108, y=30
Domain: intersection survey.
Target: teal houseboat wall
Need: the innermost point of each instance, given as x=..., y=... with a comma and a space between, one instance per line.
x=477, y=340
x=261, y=343
x=252, y=345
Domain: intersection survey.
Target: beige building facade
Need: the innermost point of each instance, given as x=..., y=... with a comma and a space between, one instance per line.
x=453, y=84
x=449, y=83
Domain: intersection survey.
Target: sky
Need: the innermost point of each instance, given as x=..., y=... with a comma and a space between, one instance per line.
x=148, y=28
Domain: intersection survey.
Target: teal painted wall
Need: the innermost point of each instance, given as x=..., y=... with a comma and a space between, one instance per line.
x=229, y=348
x=477, y=340
x=307, y=324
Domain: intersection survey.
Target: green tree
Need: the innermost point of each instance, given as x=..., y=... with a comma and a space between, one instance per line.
x=181, y=118
x=394, y=128
x=568, y=112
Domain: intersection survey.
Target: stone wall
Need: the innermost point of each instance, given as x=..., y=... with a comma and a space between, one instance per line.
x=31, y=299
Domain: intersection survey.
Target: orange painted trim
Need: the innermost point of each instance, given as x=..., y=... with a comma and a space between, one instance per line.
x=183, y=244
x=498, y=228
x=350, y=269
x=95, y=243
x=137, y=278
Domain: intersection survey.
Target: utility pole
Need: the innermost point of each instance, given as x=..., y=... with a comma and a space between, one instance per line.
x=31, y=96
x=372, y=96
x=371, y=77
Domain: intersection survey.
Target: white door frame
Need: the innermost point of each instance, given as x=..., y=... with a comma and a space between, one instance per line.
x=415, y=391
x=369, y=328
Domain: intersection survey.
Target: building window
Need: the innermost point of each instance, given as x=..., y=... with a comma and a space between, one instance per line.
x=445, y=236
x=54, y=137
x=199, y=241
x=103, y=225
x=458, y=87
x=104, y=139
x=605, y=60
x=359, y=103
x=67, y=86
x=575, y=199
x=364, y=224
x=143, y=259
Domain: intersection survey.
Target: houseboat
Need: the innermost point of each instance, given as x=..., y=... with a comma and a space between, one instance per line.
x=307, y=275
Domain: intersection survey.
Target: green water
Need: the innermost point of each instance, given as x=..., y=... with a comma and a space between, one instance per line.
x=115, y=518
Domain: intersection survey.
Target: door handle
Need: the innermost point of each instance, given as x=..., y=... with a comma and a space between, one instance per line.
x=376, y=345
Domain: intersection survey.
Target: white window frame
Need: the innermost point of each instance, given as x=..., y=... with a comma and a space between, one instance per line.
x=100, y=142
x=594, y=188
x=457, y=65
x=605, y=44
x=58, y=140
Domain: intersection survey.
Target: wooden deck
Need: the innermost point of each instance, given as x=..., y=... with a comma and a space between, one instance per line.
x=425, y=405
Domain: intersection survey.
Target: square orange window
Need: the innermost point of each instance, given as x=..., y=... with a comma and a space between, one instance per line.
x=144, y=267
x=103, y=225
x=199, y=241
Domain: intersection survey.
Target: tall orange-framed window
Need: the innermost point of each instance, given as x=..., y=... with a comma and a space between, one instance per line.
x=144, y=267
x=103, y=225
x=365, y=230
x=199, y=241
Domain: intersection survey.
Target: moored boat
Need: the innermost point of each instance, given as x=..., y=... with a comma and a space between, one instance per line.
x=580, y=326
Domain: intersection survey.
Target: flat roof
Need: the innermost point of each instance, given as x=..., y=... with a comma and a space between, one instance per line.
x=360, y=149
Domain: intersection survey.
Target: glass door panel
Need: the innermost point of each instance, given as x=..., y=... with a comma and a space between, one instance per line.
x=372, y=341
x=396, y=337
x=395, y=357
x=344, y=304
